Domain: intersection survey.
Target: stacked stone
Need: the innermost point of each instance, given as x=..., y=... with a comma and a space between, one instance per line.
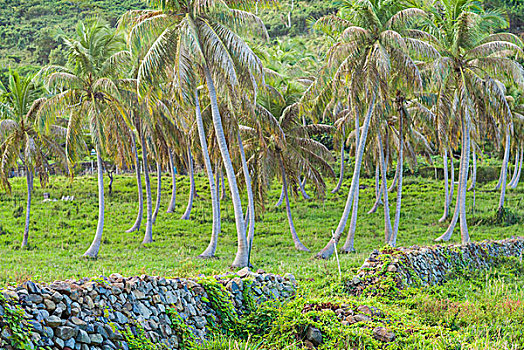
x=430, y=265
x=90, y=314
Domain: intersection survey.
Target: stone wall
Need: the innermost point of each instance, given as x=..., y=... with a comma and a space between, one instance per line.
x=88, y=314
x=428, y=265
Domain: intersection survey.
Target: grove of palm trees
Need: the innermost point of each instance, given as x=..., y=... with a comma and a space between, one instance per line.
x=185, y=141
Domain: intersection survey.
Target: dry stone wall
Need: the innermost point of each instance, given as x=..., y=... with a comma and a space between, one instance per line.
x=429, y=265
x=90, y=314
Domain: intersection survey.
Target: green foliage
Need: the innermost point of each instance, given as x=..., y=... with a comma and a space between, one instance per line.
x=185, y=336
x=136, y=339
x=228, y=321
x=13, y=321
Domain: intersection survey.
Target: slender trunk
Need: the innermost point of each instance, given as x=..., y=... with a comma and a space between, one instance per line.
x=29, y=178
x=158, y=190
x=301, y=185
x=504, y=172
x=349, y=245
x=241, y=258
x=250, y=198
x=452, y=178
x=148, y=236
x=223, y=194
x=342, y=163
x=328, y=250
x=138, y=221
x=474, y=169
x=517, y=179
x=395, y=179
x=281, y=198
x=172, y=202
x=289, y=14
x=516, y=167
x=447, y=200
x=92, y=252
x=296, y=240
x=400, y=165
x=464, y=233
x=215, y=202
x=378, y=191
x=187, y=213
x=388, y=230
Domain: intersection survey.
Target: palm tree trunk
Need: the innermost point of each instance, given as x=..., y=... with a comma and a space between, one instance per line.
x=215, y=201
x=400, y=165
x=148, y=236
x=395, y=179
x=378, y=191
x=223, y=193
x=92, y=252
x=172, y=202
x=158, y=190
x=446, y=189
x=250, y=198
x=517, y=178
x=187, y=213
x=342, y=163
x=29, y=179
x=279, y=203
x=296, y=240
x=241, y=258
x=464, y=233
x=328, y=250
x=516, y=168
x=301, y=185
x=452, y=179
x=138, y=221
x=388, y=230
x=504, y=172
x=474, y=169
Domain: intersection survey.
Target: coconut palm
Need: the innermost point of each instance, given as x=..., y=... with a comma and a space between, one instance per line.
x=22, y=141
x=89, y=96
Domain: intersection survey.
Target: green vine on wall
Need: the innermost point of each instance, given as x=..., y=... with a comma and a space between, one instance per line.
x=12, y=319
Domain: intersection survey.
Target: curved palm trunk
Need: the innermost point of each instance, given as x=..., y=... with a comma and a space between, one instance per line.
x=148, y=236
x=378, y=191
x=215, y=201
x=138, y=221
x=29, y=179
x=349, y=245
x=516, y=167
x=281, y=198
x=92, y=252
x=342, y=163
x=250, y=198
x=296, y=240
x=400, y=165
x=187, y=213
x=517, y=178
x=504, y=173
x=328, y=250
x=447, y=200
x=452, y=178
x=158, y=190
x=474, y=169
x=172, y=202
x=223, y=193
x=388, y=230
x=241, y=258
x=395, y=179
x=301, y=185
x=503, y=170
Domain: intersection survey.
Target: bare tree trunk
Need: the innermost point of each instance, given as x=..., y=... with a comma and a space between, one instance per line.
x=447, y=200
x=250, y=197
x=92, y=252
x=138, y=221
x=474, y=170
x=294, y=235
x=187, y=213
x=289, y=14
x=388, y=230
x=504, y=172
x=517, y=178
x=452, y=178
x=400, y=164
x=172, y=203
x=223, y=194
x=464, y=233
x=378, y=191
x=158, y=190
x=328, y=250
x=242, y=256
x=29, y=179
x=342, y=163
x=395, y=179
x=301, y=185
x=148, y=236
x=281, y=198
x=516, y=167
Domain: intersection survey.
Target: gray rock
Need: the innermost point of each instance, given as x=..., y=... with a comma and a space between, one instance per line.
x=83, y=337
x=383, y=334
x=54, y=321
x=70, y=343
x=96, y=339
x=314, y=335
x=65, y=332
x=35, y=298
x=59, y=343
x=143, y=310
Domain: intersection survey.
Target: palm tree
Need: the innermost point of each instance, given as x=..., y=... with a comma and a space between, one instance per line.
x=21, y=140
x=89, y=96
x=188, y=33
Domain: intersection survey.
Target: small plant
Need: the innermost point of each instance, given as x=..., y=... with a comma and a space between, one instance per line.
x=186, y=337
x=12, y=320
x=136, y=339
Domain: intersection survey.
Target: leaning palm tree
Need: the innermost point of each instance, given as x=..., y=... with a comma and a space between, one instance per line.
x=22, y=141
x=188, y=34
x=88, y=95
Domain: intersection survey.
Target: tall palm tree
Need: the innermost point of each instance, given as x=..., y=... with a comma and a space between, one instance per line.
x=22, y=141
x=185, y=34
x=89, y=96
